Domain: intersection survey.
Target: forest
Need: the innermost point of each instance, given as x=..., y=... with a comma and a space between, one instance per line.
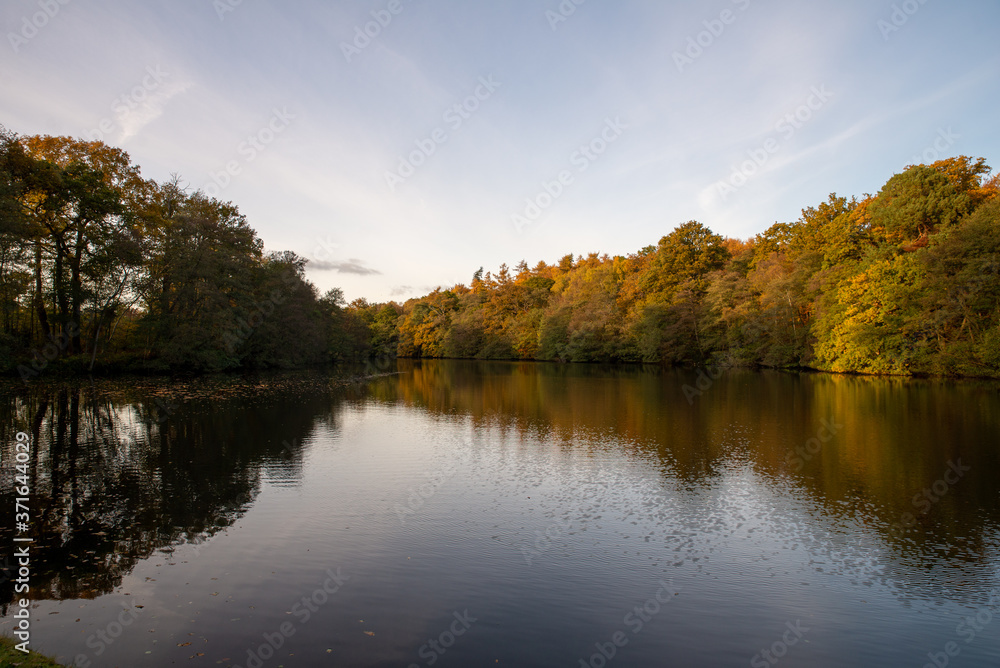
x=905, y=282
x=103, y=271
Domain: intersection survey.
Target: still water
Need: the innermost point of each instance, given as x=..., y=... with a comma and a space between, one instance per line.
x=507, y=514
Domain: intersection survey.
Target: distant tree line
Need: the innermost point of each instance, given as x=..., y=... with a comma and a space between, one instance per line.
x=101, y=269
x=903, y=282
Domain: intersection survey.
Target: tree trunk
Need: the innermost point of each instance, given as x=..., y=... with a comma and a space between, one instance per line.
x=43, y=317
x=76, y=288
x=62, y=300
x=97, y=334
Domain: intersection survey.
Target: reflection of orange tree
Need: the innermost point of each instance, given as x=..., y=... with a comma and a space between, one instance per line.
x=115, y=482
x=892, y=434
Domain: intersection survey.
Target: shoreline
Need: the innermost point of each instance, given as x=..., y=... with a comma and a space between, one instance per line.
x=362, y=370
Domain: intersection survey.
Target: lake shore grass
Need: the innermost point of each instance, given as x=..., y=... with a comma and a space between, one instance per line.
x=15, y=658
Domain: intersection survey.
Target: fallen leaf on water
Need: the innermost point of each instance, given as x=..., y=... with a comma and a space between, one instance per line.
x=369, y=633
x=183, y=644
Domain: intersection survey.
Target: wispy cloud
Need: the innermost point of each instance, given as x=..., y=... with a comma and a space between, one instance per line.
x=350, y=266
x=133, y=120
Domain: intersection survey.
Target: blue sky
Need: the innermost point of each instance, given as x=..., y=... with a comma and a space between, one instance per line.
x=457, y=134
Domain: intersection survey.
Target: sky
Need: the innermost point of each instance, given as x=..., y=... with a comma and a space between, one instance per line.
x=400, y=145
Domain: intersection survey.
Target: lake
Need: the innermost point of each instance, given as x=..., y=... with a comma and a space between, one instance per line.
x=509, y=514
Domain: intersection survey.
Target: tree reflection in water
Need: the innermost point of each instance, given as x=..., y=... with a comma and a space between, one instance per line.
x=122, y=470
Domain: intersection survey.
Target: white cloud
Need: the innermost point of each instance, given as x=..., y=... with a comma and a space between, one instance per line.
x=132, y=118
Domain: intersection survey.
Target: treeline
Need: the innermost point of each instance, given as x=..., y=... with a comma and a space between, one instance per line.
x=100, y=267
x=903, y=282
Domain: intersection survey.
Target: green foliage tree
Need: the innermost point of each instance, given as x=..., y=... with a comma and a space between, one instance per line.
x=960, y=296
x=95, y=260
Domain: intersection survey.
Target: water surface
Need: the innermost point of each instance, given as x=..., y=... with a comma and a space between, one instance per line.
x=507, y=514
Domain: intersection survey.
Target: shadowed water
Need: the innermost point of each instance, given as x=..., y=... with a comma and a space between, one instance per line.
x=506, y=514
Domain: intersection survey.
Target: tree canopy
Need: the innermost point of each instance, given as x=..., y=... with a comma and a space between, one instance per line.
x=101, y=268
x=903, y=282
